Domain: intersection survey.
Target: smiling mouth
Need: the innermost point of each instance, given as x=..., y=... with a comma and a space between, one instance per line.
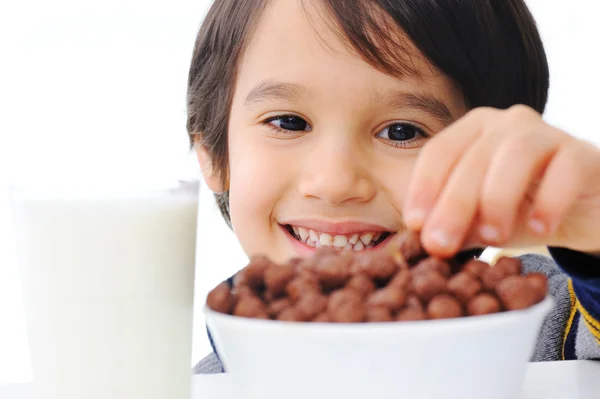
x=356, y=241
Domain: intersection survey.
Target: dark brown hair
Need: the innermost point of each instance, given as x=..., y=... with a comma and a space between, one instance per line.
x=490, y=48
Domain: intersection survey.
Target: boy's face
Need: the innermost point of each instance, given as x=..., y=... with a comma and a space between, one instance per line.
x=321, y=144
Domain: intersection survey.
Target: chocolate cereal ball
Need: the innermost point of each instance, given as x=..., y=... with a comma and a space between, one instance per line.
x=392, y=298
x=362, y=284
x=491, y=277
x=515, y=293
x=413, y=300
x=433, y=264
x=221, y=299
x=411, y=313
x=464, y=286
x=538, y=283
x=444, y=307
x=346, y=306
x=401, y=279
x=476, y=268
x=311, y=304
x=291, y=314
x=299, y=287
x=510, y=266
x=333, y=269
x=252, y=307
x=481, y=304
x=410, y=246
x=428, y=284
x=277, y=278
x=279, y=305
x=379, y=314
x=321, y=318
x=400, y=283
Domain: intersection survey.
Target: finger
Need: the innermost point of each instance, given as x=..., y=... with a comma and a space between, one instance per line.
x=473, y=239
x=520, y=237
x=559, y=189
x=457, y=207
x=515, y=165
x=435, y=163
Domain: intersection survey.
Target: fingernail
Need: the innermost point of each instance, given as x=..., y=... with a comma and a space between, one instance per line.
x=537, y=226
x=489, y=233
x=440, y=238
x=415, y=217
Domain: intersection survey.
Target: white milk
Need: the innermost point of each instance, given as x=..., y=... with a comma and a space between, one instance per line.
x=108, y=284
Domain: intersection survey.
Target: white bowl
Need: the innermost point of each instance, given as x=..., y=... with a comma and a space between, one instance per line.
x=482, y=357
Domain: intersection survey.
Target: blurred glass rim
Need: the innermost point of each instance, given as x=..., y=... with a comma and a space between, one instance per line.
x=99, y=187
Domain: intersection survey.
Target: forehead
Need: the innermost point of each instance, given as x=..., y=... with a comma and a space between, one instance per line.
x=296, y=40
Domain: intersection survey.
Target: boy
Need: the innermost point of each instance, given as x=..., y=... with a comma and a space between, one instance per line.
x=330, y=122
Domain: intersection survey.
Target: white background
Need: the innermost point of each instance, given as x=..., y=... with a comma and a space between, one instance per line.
x=100, y=85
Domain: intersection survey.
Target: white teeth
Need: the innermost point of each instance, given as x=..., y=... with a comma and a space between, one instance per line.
x=325, y=239
x=356, y=241
x=366, y=238
x=340, y=241
x=303, y=233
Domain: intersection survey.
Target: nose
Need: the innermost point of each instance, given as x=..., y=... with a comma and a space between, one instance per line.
x=336, y=173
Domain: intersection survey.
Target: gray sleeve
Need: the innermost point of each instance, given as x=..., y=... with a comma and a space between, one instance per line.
x=586, y=345
x=209, y=365
x=549, y=346
x=550, y=339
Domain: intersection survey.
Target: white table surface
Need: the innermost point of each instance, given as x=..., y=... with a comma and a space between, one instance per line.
x=549, y=380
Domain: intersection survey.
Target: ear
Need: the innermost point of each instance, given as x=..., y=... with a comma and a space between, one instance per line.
x=211, y=177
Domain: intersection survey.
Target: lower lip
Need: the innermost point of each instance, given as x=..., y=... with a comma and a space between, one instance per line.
x=304, y=250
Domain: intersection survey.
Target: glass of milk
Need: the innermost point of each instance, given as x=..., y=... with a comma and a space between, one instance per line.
x=108, y=277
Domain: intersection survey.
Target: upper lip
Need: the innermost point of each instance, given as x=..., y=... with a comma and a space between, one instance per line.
x=341, y=228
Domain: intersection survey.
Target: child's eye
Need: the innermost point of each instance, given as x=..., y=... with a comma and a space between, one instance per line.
x=288, y=123
x=403, y=134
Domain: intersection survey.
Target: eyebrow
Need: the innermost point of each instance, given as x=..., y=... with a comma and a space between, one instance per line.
x=274, y=91
x=422, y=101
x=270, y=90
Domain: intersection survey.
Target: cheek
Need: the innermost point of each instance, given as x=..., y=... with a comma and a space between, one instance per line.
x=259, y=179
x=394, y=177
